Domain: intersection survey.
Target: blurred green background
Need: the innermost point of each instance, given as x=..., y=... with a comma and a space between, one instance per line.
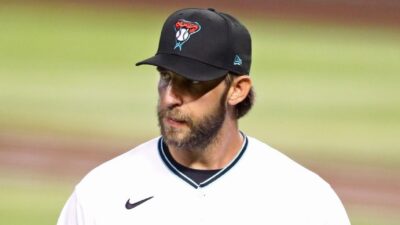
x=325, y=91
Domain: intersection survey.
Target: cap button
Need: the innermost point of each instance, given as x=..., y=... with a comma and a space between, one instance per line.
x=211, y=9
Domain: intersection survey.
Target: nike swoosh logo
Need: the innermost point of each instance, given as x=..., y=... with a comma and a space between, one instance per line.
x=129, y=205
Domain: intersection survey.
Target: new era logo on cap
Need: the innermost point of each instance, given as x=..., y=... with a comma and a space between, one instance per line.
x=237, y=61
x=203, y=44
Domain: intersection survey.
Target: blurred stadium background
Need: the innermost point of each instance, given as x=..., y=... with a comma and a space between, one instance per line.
x=326, y=74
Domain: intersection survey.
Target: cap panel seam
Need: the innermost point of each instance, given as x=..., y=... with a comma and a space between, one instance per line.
x=229, y=40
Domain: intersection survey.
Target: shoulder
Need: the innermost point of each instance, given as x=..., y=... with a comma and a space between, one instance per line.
x=114, y=181
x=279, y=167
x=139, y=154
x=129, y=164
x=288, y=181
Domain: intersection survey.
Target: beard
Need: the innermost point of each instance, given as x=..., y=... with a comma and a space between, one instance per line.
x=197, y=134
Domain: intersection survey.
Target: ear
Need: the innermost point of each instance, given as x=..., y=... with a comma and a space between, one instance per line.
x=239, y=89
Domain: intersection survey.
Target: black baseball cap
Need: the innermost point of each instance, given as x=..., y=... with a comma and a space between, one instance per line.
x=203, y=44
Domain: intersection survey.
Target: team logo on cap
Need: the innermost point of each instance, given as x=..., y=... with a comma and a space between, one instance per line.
x=184, y=29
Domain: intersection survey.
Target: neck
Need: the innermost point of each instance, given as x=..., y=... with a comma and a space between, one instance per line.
x=217, y=154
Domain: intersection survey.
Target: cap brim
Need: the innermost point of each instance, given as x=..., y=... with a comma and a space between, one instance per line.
x=186, y=67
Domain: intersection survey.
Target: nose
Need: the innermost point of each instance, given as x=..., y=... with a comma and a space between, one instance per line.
x=172, y=97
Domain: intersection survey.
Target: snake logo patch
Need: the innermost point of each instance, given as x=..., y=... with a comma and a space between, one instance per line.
x=184, y=29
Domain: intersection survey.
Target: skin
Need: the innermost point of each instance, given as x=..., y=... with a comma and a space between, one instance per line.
x=196, y=100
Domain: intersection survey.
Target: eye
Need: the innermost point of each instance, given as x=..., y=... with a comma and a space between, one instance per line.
x=193, y=85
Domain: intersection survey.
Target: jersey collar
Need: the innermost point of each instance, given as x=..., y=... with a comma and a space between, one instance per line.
x=188, y=180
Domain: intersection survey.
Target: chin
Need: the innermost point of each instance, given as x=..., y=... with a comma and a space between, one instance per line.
x=174, y=135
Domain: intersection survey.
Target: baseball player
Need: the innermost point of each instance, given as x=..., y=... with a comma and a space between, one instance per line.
x=203, y=169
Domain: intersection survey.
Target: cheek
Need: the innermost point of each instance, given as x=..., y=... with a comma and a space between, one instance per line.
x=161, y=91
x=204, y=105
x=160, y=87
x=160, y=97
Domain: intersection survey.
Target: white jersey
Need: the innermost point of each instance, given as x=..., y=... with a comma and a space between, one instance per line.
x=259, y=186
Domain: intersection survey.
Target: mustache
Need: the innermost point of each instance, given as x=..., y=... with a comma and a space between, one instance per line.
x=174, y=114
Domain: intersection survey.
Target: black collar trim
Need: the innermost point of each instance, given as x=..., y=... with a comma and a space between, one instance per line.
x=188, y=180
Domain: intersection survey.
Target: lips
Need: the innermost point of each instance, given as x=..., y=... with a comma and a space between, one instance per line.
x=174, y=121
x=174, y=118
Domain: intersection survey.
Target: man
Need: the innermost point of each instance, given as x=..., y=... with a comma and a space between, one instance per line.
x=203, y=170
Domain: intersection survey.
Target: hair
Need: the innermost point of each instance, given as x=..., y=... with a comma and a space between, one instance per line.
x=243, y=107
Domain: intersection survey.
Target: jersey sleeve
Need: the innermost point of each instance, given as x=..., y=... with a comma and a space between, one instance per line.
x=73, y=213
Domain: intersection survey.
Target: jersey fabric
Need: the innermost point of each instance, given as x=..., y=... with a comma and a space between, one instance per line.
x=259, y=186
